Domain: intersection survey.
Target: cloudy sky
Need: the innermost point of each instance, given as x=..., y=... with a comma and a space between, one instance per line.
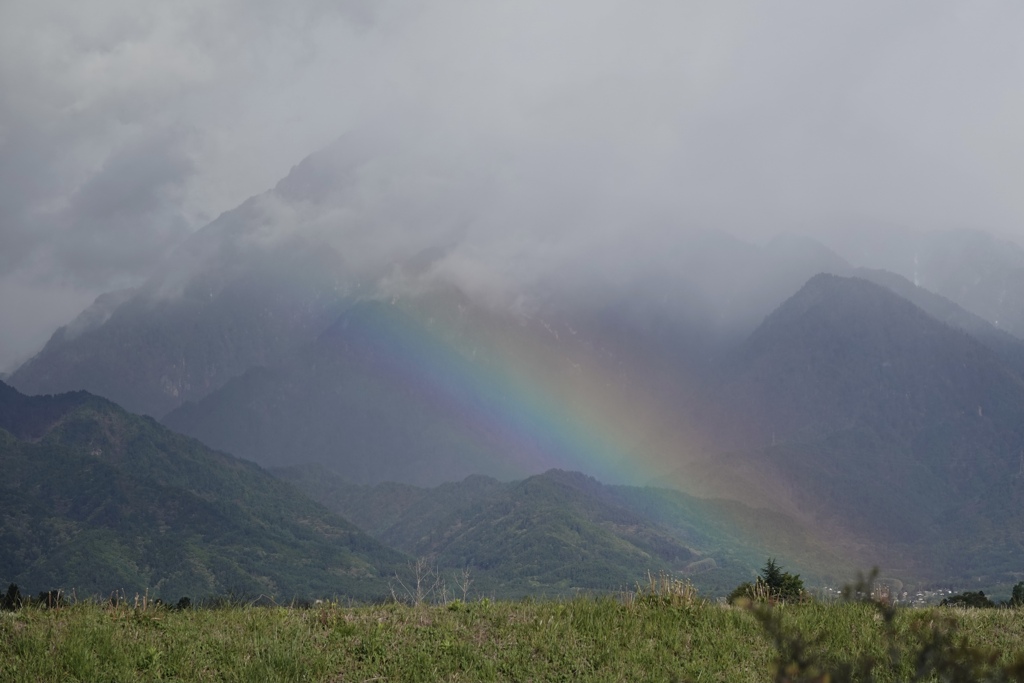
x=125, y=126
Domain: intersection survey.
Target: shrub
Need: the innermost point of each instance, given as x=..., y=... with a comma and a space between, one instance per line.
x=665, y=589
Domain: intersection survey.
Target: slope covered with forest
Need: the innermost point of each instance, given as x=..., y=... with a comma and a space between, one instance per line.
x=98, y=500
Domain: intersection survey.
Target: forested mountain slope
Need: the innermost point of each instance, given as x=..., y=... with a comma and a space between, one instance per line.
x=98, y=500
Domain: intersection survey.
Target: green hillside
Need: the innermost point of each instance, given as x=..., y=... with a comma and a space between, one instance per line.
x=98, y=500
x=559, y=532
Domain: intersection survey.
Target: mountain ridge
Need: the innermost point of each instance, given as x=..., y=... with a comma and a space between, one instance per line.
x=100, y=500
x=561, y=531
x=847, y=388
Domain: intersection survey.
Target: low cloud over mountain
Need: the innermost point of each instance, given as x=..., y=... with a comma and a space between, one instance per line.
x=529, y=140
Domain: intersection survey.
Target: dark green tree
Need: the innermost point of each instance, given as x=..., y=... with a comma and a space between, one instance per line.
x=773, y=585
x=771, y=574
x=781, y=585
x=1017, y=598
x=12, y=599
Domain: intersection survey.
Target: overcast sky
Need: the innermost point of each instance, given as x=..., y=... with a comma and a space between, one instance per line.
x=126, y=125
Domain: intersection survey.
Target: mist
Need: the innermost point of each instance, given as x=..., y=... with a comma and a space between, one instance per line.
x=522, y=139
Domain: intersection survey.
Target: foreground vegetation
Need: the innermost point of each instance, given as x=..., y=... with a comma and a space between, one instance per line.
x=662, y=634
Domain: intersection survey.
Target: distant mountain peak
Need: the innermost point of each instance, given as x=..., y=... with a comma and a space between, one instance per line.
x=839, y=300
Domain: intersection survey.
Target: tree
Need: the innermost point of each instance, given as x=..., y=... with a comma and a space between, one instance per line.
x=12, y=599
x=773, y=585
x=782, y=585
x=771, y=574
x=1017, y=599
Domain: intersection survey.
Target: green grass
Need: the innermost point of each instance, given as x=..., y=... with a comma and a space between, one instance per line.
x=651, y=637
x=644, y=638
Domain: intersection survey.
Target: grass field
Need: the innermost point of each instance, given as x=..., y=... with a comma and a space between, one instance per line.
x=626, y=638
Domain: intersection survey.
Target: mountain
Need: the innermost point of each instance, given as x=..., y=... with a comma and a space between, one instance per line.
x=346, y=317
x=389, y=391
x=431, y=384
x=862, y=349
x=343, y=227
x=880, y=426
x=1006, y=345
x=243, y=291
x=844, y=389
x=433, y=388
x=559, y=531
x=99, y=500
x=152, y=348
x=977, y=271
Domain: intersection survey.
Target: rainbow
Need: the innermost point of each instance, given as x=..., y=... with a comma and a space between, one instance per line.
x=540, y=392
x=548, y=399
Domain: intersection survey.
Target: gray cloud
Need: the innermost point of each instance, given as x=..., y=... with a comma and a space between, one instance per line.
x=125, y=216
x=533, y=133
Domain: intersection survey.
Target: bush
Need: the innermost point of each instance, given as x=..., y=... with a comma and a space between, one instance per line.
x=666, y=590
